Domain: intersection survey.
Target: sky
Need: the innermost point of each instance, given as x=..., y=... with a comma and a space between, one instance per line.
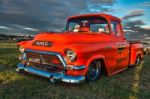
x=32, y=16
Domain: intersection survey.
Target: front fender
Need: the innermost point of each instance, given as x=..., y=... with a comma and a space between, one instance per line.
x=22, y=43
x=96, y=57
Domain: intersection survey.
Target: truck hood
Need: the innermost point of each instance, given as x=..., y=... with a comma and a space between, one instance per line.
x=61, y=41
x=73, y=38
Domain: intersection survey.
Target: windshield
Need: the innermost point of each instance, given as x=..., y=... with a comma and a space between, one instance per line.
x=94, y=24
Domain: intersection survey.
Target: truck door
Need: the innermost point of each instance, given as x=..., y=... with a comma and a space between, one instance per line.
x=122, y=46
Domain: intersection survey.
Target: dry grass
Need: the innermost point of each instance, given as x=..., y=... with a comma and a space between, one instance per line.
x=27, y=86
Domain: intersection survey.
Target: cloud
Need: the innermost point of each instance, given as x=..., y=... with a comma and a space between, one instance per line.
x=102, y=2
x=145, y=4
x=146, y=27
x=135, y=23
x=136, y=29
x=137, y=33
x=45, y=15
x=134, y=13
x=4, y=27
x=97, y=6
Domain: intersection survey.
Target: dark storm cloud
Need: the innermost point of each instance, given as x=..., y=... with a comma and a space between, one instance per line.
x=135, y=23
x=134, y=13
x=134, y=30
x=134, y=26
x=45, y=15
x=131, y=24
x=38, y=14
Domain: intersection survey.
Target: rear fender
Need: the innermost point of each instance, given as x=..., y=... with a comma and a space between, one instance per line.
x=139, y=53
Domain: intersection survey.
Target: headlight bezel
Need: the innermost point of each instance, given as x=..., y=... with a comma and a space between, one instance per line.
x=22, y=56
x=21, y=49
x=70, y=55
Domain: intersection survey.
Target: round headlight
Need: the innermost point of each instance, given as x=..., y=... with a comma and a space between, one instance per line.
x=70, y=55
x=21, y=49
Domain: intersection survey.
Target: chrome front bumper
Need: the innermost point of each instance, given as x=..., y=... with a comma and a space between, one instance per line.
x=53, y=76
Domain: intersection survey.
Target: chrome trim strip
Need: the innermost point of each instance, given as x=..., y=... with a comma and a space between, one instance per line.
x=53, y=76
x=20, y=66
x=51, y=53
x=79, y=67
x=73, y=79
x=42, y=72
x=60, y=57
x=76, y=67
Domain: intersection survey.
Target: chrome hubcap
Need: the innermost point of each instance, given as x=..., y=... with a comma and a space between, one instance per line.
x=93, y=71
x=138, y=60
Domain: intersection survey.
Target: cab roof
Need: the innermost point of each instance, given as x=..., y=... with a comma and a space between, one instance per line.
x=106, y=16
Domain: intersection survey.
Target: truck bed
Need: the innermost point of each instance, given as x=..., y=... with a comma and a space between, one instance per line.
x=134, y=41
x=135, y=49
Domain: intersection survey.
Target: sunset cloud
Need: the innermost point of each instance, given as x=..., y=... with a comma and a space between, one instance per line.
x=134, y=13
x=45, y=15
x=33, y=16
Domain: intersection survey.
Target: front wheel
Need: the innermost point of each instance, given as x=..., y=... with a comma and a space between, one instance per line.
x=94, y=71
x=19, y=70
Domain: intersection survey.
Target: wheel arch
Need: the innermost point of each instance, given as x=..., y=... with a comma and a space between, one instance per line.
x=139, y=54
x=99, y=58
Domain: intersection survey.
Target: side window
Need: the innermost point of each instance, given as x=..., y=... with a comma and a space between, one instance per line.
x=73, y=26
x=101, y=27
x=116, y=28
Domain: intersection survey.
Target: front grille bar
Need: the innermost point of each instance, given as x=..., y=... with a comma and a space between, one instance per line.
x=50, y=53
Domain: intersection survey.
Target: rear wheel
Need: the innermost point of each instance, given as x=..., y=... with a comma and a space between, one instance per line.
x=138, y=60
x=94, y=71
x=148, y=53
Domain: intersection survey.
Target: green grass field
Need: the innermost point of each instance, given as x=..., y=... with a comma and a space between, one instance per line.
x=133, y=83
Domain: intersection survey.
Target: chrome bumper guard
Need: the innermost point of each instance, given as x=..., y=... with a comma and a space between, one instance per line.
x=53, y=76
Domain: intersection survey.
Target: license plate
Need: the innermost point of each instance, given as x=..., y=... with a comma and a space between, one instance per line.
x=35, y=60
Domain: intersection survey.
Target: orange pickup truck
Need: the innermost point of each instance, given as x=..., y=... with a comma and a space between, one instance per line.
x=91, y=45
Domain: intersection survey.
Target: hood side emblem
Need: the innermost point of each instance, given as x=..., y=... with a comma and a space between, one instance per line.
x=43, y=43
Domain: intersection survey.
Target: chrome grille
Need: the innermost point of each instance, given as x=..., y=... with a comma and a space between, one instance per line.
x=44, y=61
